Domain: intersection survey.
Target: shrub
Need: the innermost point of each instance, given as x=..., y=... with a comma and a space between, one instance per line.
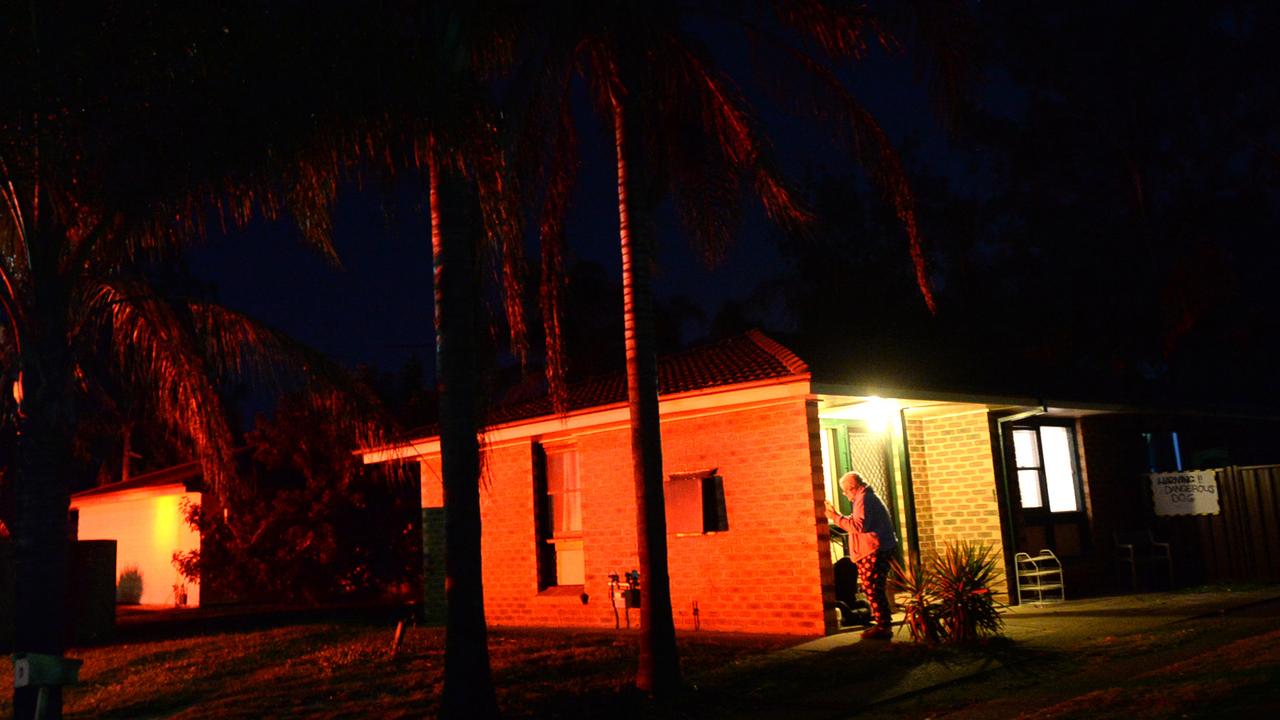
x=963, y=579
x=920, y=613
x=129, y=586
x=949, y=597
x=308, y=523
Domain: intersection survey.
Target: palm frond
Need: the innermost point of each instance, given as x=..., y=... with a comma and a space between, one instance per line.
x=559, y=185
x=720, y=109
x=816, y=90
x=841, y=29
x=155, y=355
x=939, y=34
x=243, y=349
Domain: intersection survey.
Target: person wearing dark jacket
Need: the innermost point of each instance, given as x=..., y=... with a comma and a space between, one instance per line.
x=871, y=545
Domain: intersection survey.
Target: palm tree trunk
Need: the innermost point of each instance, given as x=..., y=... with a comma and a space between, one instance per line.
x=468, y=680
x=42, y=490
x=659, y=668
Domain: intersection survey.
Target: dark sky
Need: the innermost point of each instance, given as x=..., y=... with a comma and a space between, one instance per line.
x=376, y=309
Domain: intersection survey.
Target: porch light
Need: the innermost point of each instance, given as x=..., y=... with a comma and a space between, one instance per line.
x=880, y=413
x=877, y=412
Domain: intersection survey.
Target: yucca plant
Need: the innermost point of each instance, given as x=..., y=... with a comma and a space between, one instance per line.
x=962, y=580
x=949, y=596
x=920, y=611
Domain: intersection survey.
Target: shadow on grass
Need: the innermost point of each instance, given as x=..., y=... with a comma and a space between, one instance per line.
x=345, y=670
x=778, y=685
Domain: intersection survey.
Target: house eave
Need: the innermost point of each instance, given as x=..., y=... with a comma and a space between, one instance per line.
x=604, y=417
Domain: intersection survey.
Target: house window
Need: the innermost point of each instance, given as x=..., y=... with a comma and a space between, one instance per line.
x=1164, y=452
x=1046, y=463
x=695, y=503
x=558, y=517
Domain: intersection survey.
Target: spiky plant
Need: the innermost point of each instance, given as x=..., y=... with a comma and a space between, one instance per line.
x=920, y=611
x=962, y=579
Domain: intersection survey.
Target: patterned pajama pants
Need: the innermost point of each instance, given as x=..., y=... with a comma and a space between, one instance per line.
x=873, y=571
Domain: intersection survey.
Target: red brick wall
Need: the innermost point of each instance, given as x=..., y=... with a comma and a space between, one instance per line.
x=764, y=574
x=953, y=475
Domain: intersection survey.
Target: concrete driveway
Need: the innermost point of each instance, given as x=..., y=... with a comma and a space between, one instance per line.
x=1057, y=625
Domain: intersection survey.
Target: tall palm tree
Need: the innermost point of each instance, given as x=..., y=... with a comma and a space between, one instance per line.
x=679, y=125
x=441, y=120
x=124, y=131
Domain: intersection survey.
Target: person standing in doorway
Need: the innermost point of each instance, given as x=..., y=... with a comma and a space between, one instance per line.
x=871, y=545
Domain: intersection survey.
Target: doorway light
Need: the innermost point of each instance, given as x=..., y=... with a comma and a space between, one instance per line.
x=876, y=411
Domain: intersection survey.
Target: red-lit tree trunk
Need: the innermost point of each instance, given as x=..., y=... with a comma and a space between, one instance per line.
x=42, y=483
x=659, y=667
x=468, y=681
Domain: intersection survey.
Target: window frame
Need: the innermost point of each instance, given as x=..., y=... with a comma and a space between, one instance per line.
x=1077, y=482
x=552, y=545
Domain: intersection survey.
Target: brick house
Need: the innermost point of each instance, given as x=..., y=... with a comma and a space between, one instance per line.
x=752, y=444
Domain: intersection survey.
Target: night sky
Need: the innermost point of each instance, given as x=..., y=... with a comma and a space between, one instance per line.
x=995, y=225
x=376, y=308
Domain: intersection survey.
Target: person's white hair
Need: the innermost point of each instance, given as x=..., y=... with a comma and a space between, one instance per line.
x=851, y=479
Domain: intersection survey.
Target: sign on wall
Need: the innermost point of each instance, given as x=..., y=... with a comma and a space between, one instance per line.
x=1185, y=493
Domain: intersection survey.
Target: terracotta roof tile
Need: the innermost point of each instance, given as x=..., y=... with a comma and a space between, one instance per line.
x=743, y=358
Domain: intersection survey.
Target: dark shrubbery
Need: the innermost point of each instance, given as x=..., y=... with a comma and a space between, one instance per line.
x=129, y=586
x=308, y=523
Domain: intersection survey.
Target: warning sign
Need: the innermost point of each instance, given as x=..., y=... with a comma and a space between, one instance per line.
x=1185, y=493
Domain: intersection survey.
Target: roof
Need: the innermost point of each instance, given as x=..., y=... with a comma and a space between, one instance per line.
x=187, y=475
x=749, y=357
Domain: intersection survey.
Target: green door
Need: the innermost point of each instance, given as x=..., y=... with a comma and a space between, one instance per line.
x=854, y=445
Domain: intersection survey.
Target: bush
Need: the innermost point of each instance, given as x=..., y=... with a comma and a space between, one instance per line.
x=129, y=586
x=308, y=523
x=920, y=612
x=950, y=598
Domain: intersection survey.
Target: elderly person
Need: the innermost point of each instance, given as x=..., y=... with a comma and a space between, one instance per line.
x=871, y=545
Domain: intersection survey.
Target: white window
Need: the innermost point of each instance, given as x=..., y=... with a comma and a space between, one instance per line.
x=1046, y=466
x=558, y=524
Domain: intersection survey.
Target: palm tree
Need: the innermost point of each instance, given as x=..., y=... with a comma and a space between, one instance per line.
x=112, y=155
x=679, y=125
x=443, y=122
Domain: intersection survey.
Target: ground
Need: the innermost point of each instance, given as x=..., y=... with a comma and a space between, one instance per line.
x=1162, y=657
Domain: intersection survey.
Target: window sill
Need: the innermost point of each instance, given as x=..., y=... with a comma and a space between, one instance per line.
x=565, y=591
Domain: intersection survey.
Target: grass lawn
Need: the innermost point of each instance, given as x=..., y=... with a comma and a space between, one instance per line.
x=335, y=670
x=1202, y=668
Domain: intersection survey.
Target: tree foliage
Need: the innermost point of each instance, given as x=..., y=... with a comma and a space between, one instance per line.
x=311, y=523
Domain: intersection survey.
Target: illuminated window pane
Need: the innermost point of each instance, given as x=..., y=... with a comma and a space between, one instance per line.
x=555, y=473
x=1025, y=453
x=558, y=517
x=1058, y=471
x=570, y=562
x=568, y=513
x=565, y=492
x=828, y=464
x=1029, y=488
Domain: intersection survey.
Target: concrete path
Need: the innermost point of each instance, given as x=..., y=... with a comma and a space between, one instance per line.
x=1056, y=625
